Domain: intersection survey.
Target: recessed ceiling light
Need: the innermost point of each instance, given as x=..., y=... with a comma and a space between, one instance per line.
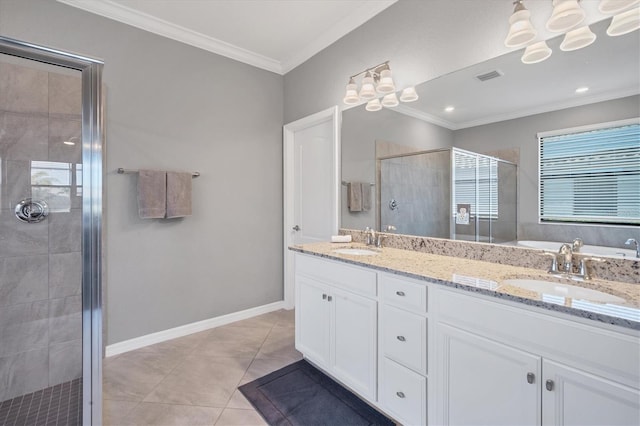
x=449, y=108
x=582, y=89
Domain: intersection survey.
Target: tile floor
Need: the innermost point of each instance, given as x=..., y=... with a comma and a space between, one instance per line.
x=193, y=380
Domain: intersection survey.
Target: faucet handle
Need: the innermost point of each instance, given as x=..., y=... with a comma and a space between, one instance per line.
x=391, y=228
x=577, y=244
x=553, y=269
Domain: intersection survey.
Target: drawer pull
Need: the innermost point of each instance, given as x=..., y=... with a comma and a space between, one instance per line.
x=400, y=293
x=400, y=394
x=401, y=338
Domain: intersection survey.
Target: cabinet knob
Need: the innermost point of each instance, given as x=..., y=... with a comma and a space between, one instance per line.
x=401, y=338
x=400, y=293
x=531, y=378
x=324, y=297
x=549, y=385
x=329, y=298
x=400, y=394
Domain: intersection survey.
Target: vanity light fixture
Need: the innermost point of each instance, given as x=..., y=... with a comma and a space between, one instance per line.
x=521, y=30
x=624, y=22
x=566, y=15
x=377, y=81
x=611, y=7
x=583, y=89
x=536, y=52
x=577, y=39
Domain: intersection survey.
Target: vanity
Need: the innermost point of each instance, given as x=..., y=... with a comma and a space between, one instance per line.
x=440, y=340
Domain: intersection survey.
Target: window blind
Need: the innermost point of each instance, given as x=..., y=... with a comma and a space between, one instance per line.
x=467, y=182
x=591, y=176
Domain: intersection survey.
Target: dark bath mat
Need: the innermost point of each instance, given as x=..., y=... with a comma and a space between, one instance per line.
x=301, y=395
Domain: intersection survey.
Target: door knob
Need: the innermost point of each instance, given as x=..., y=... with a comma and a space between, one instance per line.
x=296, y=228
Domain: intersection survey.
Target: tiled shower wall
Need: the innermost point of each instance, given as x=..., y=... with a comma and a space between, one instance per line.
x=40, y=264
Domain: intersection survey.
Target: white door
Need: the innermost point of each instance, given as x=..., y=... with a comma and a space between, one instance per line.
x=311, y=185
x=313, y=326
x=482, y=382
x=574, y=398
x=354, y=341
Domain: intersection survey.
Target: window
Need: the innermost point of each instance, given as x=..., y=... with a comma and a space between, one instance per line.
x=591, y=175
x=476, y=180
x=57, y=183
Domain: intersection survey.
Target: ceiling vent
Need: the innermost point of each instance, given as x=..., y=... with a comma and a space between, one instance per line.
x=490, y=75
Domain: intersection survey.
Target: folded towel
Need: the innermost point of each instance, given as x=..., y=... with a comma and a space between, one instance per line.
x=178, y=194
x=354, y=196
x=152, y=194
x=341, y=238
x=366, y=197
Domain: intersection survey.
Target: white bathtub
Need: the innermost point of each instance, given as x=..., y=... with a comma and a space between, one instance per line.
x=554, y=246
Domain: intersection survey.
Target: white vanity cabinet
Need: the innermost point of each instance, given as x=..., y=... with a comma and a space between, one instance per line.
x=502, y=365
x=336, y=321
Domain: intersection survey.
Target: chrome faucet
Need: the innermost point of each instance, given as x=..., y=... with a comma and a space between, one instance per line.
x=566, y=252
x=577, y=245
x=633, y=241
x=370, y=235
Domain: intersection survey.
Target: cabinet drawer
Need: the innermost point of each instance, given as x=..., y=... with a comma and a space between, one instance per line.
x=358, y=280
x=404, y=293
x=403, y=393
x=404, y=338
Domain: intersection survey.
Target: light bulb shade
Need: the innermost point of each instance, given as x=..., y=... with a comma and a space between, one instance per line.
x=611, y=7
x=566, y=15
x=367, y=91
x=409, y=95
x=351, y=96
x=385, y=85
x=390, y=100
x=537, y=52
x=373, y=105
x=521, y=30
x=625, y=22
x=577, y=39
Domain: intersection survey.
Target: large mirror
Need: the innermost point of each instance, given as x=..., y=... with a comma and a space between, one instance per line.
x=499, y=109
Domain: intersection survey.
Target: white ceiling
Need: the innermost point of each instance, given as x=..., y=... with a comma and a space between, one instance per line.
x=276, y=35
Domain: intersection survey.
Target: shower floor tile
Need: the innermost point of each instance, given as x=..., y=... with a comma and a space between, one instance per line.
x=56, y=405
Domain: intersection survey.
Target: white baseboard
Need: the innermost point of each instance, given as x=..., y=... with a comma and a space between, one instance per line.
x=184, y=330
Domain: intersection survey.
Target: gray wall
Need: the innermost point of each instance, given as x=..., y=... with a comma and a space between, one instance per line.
x=521, y=134
x=172, y=106
x=360, y=130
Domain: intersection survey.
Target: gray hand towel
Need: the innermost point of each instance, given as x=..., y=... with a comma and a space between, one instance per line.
x=152, y=194
x=354, y=196
x=366, y=197
x=178, y=194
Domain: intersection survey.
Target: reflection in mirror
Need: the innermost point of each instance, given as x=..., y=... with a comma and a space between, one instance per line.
x=501, y=117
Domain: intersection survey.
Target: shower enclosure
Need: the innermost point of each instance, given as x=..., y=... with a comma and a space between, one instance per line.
x=50, y=236
x=448, y=193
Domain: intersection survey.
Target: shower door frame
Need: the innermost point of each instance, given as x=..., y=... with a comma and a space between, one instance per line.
x=92, y=161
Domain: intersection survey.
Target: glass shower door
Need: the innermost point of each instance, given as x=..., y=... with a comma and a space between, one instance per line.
x=47, y=307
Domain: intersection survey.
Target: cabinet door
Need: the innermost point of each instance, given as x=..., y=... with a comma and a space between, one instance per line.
x=481, y=382
x=354, y=341
x=313, y=320
x=573, y=397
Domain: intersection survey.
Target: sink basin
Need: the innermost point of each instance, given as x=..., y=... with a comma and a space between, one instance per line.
x=355, y=251
x=564, y=290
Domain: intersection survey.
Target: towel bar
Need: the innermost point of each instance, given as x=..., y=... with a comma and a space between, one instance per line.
x=345, y=183
x=127, y=171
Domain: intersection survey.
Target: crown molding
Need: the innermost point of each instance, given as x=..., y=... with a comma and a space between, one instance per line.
x=420, y=115
x=348, y=23
x=146, y=22
x=571, y=103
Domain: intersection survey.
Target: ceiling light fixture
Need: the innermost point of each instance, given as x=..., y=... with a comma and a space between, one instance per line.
x=377, y=81
x=611, y=7
x=625, y=22
x=536, y=52
x=566, y=15
x=582, y=89
x=577, y=39
x=521, y=30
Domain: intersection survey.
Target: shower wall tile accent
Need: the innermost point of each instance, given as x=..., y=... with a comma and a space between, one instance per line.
x=40, y=264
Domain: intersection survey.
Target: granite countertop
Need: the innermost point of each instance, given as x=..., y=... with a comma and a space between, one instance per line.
x=489, y=279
